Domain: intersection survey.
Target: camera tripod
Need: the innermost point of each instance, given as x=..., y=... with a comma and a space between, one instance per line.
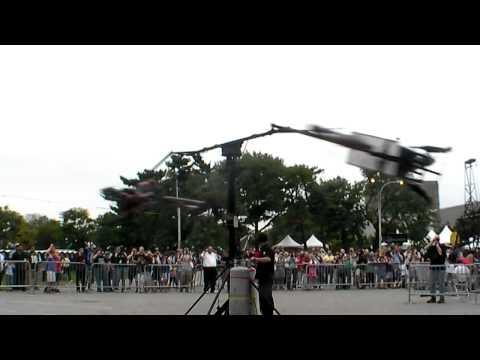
x=224, y=309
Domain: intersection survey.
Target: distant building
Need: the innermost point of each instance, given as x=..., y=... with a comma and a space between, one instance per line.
x=450, y=215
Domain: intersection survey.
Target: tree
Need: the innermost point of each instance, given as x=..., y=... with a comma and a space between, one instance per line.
x=107, y=231
x=45, y=231
x=49, y=232
x=11, y=223
x=468, y=226
x=260, y=184
x=339, y=210
x=77, y=227
x=296, y=218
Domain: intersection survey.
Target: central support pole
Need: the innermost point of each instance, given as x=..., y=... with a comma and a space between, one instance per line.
x=232, y=151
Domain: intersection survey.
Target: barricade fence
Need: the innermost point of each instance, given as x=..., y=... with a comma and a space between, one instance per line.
x=53, y=276
x=340, y=276
x=458, y=280
x=15, y=274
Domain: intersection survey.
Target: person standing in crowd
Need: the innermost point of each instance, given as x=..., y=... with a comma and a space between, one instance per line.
x=34, y=267
x=21, y=267
x=80, y=270
x=107, y=282
x=209, y=264
x=329, y=260
x=280, y=271
x=300, y=261
x=88, y=264
x=141, y=260
x=186, y=264
x=99, y=270
x=381, y=266
x=156, y=260
x=173, y=266
x=264, y=275
x=360, y=269
x=291, y=271
x=114, y=269
x=397, y=262
x=147, y=274
x=437, y=254
x=370, y=269
x=66, y=266
x=123, y=267
x=52, y=259
x=450, y=262
x=312, y=271
x=2, y=266
x=132, y=268
x=164, y=271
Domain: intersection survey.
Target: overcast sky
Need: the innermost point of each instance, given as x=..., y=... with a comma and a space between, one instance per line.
x=75, y=118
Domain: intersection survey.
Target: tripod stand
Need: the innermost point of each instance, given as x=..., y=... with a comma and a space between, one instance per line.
x=224, y=307
x=223, y=310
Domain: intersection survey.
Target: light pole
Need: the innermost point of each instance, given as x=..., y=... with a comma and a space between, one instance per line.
x=179, y=219
x=400, y=182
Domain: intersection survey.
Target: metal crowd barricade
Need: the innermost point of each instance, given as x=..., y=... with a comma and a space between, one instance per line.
x=49, y=275
x=340, y=276
x=142, y=278
x=58, y=276
x=15, y=274
x=459, y=280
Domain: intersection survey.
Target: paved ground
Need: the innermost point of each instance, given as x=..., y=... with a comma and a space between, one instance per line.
x=288, y=303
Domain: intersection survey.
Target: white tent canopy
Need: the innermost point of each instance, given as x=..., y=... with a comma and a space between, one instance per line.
x=407, y=244
x=431, y=234
x=287, y=242
x=445, y=235
x=313, y=242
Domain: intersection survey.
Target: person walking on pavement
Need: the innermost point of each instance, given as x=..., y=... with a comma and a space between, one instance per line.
x=209, y=263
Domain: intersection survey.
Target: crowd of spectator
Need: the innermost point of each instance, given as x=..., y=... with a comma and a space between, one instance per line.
x=362, y=268
x=107, y=270
x=118, y=269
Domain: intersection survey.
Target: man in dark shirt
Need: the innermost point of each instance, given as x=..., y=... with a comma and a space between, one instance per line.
x=79, y=264
x=21, y=267
x=99, y=269
x=437, y=254
x=265, y=269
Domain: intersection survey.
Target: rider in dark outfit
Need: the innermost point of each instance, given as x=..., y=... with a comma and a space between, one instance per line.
x=265, y=269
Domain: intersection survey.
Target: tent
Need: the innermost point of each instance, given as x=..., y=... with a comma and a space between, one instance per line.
x=288, y=242
x=431, y=234
x=313, y=242
x=445, y=235
x=407, y=244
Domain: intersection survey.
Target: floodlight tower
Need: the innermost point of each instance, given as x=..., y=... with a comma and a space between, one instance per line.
x=471, y=194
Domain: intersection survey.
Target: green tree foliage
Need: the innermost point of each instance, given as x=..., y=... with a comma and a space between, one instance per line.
x=338, y=209
x=107, y=231
x=48, y=232
x=299, y=182
x=260, y=184
x=468, y=226
x=77, y=228
x=13, y=228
